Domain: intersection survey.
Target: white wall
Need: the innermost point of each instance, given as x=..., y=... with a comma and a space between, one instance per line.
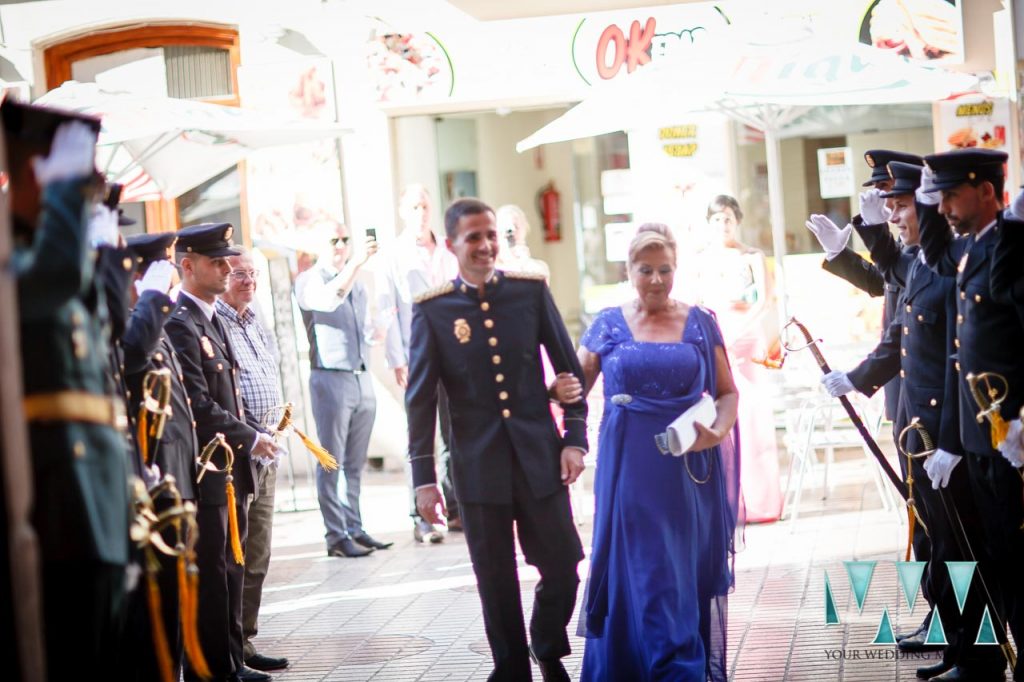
x=507, y=177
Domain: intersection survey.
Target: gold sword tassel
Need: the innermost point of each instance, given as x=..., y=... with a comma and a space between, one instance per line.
x=326, y=460
x=205, y=464
x=913, y=516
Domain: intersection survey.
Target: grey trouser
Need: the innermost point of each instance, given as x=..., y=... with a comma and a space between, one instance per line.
x=257, y=557
x=344, y=408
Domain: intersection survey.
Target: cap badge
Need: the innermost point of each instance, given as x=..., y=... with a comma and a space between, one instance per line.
x=870, y=160
x=207, y=346
x=228, y=232
x=462, y=330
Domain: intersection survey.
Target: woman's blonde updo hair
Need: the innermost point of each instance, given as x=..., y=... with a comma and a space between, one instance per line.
x=652, y=236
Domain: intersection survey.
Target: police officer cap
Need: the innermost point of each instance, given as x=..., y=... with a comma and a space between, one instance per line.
x=905, y=178
x=878, y=161
x=35, y=125
x=965, y=165
x=148, y=248
x=207, y=239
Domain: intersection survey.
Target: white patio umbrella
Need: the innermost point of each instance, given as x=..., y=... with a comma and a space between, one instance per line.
x=160, y=147
x=767, y=88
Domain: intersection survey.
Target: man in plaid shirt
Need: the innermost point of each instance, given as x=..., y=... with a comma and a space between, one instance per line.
x=261, y=392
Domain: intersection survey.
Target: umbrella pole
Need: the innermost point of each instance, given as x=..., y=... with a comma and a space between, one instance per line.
x=773, y=150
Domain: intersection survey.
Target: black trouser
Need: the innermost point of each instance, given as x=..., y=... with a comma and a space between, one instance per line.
x=955, y=531
x=138, y=654
x=996, y=488
x=82, y=612
x=550, y=542
x=220, y=590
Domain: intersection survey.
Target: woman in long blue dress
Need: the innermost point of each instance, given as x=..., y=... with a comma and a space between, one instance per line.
x=661, y=563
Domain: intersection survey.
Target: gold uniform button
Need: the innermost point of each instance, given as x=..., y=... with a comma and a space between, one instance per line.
x=166, y=309
x=959, y=319
x=506, y=413
x=127, y=263
x=956, y=342
x=492, y=341
x=957, y=366
x=79, y=449
x=219, y=367
x=903, y=352
x=496, y=359
x=906, y=330
x=920, y=318
x=189, y=400
x=238, y=392
x=503, y=395
x=489, y=323
x=908, y=308
x=181, y=377
x=159, y=357
x=499, y=378
x=963, y=295
x=193, y=424
x=903, y=374
x=977, y=298
x=485, y=306
x=238, y=447
x=933, y=402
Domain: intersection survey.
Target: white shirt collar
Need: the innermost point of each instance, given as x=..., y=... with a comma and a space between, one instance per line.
x=984, y=230
x=205, y=307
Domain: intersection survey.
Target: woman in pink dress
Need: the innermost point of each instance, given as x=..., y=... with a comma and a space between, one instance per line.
x=733, y=282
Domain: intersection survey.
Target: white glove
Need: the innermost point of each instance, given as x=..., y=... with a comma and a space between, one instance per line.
x=872, y=208
x=831, y=238
x=103, y=227
x=836, y=383
x=72, y=154
x=1016, y=210
x=939, y=466
x=1012, y=448
x=157, y=278
x=923, y=195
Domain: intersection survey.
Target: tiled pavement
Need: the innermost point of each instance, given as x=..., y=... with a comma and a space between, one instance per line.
x=412, y=612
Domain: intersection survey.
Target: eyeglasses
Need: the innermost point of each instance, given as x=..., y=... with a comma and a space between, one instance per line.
x=241, y=275
x=343, y=240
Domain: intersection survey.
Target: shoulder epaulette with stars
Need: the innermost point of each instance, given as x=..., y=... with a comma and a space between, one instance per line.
x=446, y=288
x=536, y=276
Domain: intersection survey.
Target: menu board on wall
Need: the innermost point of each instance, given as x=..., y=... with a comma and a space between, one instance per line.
x=835, y=172
x=973, y=121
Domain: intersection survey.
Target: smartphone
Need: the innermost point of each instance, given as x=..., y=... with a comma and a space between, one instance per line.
x=371, y=233
x=113, y=196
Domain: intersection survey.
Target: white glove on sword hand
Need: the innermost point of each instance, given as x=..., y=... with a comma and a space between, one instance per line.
x=939, y=467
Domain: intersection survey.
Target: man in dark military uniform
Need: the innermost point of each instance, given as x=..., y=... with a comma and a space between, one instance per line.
x=210, y=372
x=844, y=262
x=481, y=336
x=144, y=349
x=80, y=508
x=990, y=335
x=923, y=338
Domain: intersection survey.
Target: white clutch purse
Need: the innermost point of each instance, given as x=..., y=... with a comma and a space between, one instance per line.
x=682, y=433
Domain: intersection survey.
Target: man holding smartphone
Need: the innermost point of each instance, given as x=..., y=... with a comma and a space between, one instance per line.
x=336, y=316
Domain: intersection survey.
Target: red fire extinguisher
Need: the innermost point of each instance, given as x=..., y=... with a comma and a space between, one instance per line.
x=549, y=206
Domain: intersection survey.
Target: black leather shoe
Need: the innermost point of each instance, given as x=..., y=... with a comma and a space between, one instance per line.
x=261, y=662
x=915, y=642
x=347, y=548
x=958, y=674
x=365, y=540
x=247, y=674
x=550, y=670
x=455, y=525
x=928, y=672
x=425, y=532
x=923, y=627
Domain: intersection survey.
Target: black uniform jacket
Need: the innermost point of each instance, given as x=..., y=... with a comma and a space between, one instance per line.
x=924, y=332
x=80, y=507
x=864, y=275
x=990, y=334
x=1007, y=273
x=211, y=379
x=485, y=348
x=145, y=347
